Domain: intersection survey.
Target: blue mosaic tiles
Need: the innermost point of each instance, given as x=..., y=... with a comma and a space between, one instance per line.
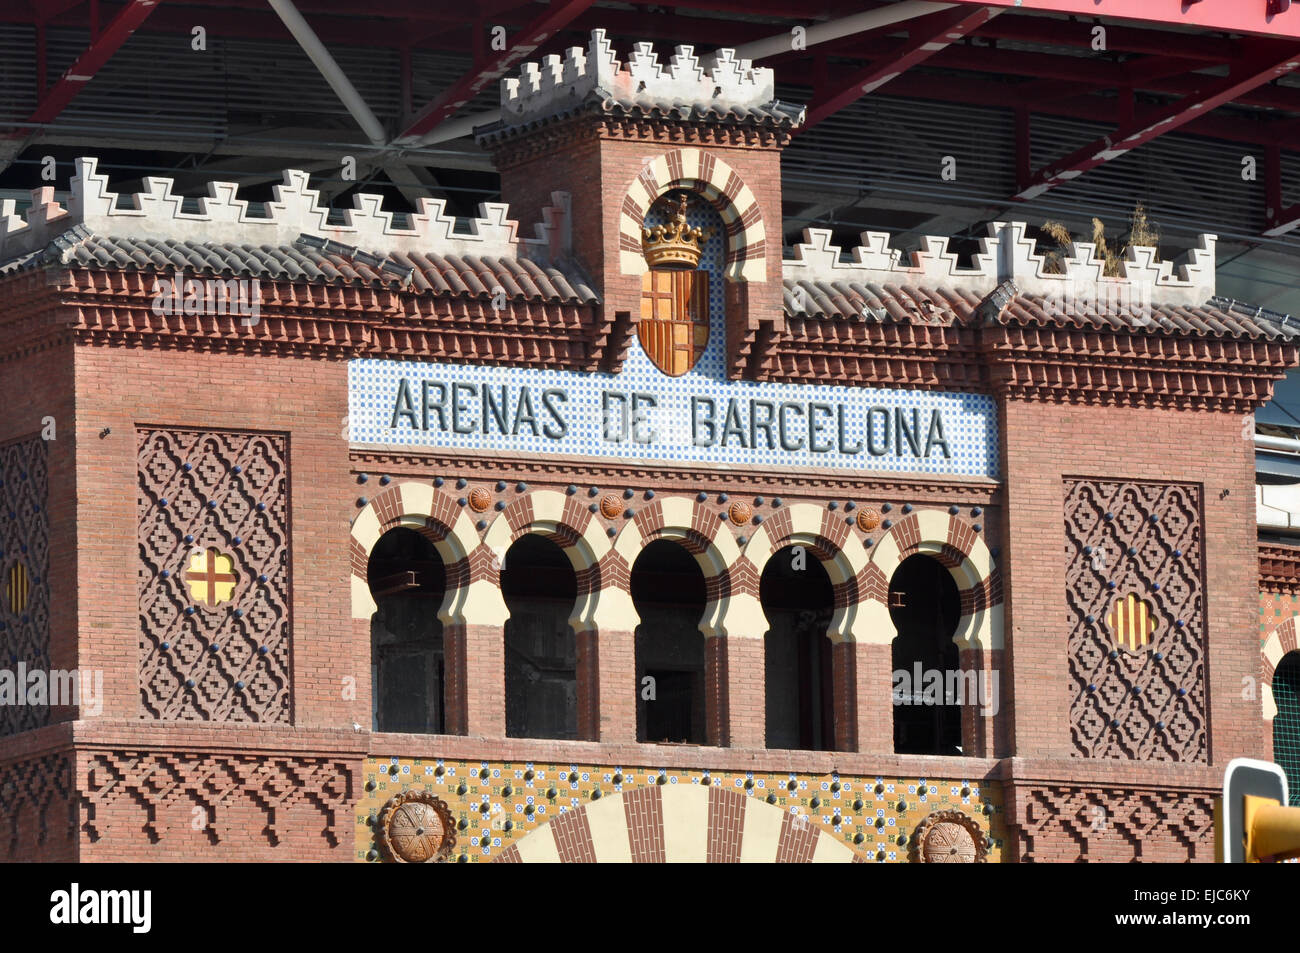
x=699, y=417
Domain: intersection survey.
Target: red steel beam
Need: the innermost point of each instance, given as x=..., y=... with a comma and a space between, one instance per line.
x=1280, y=219
x=926, y=37
x=90, y=62
x=1132, y=135
x=1262, y=17
x=1119, y=39
x=556, y=18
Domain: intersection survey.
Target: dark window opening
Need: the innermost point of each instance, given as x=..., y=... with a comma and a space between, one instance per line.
x=669, y=594
x=1286, y=723
x=799, y=602
x=924, y=605
x=540, y=588
x=407, y=581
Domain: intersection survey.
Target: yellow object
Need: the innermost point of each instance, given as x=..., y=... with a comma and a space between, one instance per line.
x=1131, y=622
x=675, y=245
x=211, y=577
x=1272, y=831
x=17, y=588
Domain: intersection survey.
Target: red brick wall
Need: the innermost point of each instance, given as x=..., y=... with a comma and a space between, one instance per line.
x=1042, y=444
x=122, y=388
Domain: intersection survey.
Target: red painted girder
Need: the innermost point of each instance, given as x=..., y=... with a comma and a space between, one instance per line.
x=1069, y=76
x=1165, y=120
x=1280, y=220
x=1120, y=38
x=521, y=45
x=1231, y=16
x=926, y=37
x=90, y=62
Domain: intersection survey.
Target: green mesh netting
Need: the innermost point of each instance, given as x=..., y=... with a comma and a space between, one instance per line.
x=1286, y=725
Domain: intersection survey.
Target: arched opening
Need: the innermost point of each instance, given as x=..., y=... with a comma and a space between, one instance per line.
x=1286, y=723
x=540, y=587
x=407, y=581
x=799, y=601
x=669, y=593
x=929, y=686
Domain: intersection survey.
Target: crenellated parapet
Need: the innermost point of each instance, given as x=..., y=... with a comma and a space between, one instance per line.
x=1009, y=254
x=158, y=213
x=718, y=81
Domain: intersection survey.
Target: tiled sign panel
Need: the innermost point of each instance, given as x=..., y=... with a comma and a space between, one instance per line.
x=653, y=417
x=699, y=417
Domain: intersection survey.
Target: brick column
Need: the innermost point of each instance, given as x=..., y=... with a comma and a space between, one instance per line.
x=864, y=697
x=607, y=671
x=735, y=691
x=485, y=680
x=981, y=719
x=363, y=665
x=455, y=717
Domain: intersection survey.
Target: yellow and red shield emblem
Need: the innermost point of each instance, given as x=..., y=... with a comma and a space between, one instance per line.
x=674, y=326
x=1131, y=622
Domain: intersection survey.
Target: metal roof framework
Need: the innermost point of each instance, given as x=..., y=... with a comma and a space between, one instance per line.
x=1105, y=102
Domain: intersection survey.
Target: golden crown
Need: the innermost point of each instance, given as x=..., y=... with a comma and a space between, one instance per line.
x=674, y=245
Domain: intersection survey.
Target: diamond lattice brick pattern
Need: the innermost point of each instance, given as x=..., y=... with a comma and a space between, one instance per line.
x=214, y=654
x=24, y=568
x=1131, y=698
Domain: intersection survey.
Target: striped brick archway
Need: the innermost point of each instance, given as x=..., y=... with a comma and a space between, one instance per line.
x=1280, y=642
x=956, y=545
x=721, y=186
x=434, y=515
x=979, y=632
x=566, y=521
x=831, y=542
x=699, y=531
x=678, y=823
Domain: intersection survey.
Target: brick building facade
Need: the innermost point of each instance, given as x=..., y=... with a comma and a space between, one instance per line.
x=394, y=539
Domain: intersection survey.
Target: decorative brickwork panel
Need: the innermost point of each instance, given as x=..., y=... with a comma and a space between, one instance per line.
x=1061, y=822
x=273, y=799
x=1136, y=607
x=37, y=814
x=24, y=567
x=214, y=576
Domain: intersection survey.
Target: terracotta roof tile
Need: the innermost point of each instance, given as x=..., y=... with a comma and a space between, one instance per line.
x=909, y=304
x=775, y=114
x=433, y=273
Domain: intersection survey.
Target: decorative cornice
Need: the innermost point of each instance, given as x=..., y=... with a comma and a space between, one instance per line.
x=915, y=356
x=1122, y=368
x=512, y=147
x=1279, y=567
x=561, y=469
x=300, y=319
